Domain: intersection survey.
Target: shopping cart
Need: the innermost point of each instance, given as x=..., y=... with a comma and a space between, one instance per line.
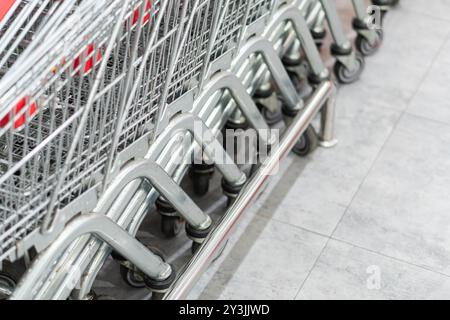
x=367, y=25
x=96, y=98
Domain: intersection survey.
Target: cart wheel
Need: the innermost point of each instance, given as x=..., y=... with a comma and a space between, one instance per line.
x=171, y=226
x=346, y=76
x=132, y=277
x=364, y=46
x=271, y=117
x=8, y=283
x=307, y=143
x=9, y=277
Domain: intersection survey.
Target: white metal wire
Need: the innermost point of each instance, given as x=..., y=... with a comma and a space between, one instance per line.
x=51, y=52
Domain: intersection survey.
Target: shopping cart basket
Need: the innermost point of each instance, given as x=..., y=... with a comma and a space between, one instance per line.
x=112, y=87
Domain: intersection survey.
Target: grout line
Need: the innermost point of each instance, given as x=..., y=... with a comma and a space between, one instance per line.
x=427, y=73
x=299, y=228
x=402, y=114
x=391, y=257
x=422, y=117
x=312, y=268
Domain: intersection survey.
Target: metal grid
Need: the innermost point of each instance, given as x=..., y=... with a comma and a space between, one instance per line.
x=258, y=9
x=37, y=136
x=48, y=156
x=230, y=29
x=162, y=50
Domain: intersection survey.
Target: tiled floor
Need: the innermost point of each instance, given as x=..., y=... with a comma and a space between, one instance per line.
x=371, y=217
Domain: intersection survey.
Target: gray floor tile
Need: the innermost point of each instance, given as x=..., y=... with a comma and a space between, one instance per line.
x=269, y=262
x=402, y=208
x=315, y=192
x=431, y=101
x=347, y=272
x=402, y=62
x=439, y=9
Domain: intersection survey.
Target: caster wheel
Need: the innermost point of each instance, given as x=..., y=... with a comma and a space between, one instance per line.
x=8, y=283
x=271, y=117
x=132, y=277
x=364, y=46
x=346, y=76
x=9, y=277
x=307, y=143
x=171, y=226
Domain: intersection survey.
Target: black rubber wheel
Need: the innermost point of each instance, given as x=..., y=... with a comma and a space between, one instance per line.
x=307, y=143
x=271, y=117
x=7, y=285
x=364, y=46
x=132, y=277
x=171, y=226
x=9, y=277
x=346, y=76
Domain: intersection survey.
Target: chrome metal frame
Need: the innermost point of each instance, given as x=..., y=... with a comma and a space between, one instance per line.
x=108, y=231
x=217, y=238
x=216, y=101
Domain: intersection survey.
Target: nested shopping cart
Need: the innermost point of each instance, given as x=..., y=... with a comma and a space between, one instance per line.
x=100, y=102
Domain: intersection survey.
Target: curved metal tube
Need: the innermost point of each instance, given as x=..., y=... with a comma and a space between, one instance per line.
x=163, y=183
x=228, y=81
x=294, y=16
x=106, y=230
x=265, y=48
x=212, y=148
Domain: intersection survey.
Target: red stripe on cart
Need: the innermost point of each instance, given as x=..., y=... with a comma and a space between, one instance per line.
x=5, y=5
x=21, y=120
